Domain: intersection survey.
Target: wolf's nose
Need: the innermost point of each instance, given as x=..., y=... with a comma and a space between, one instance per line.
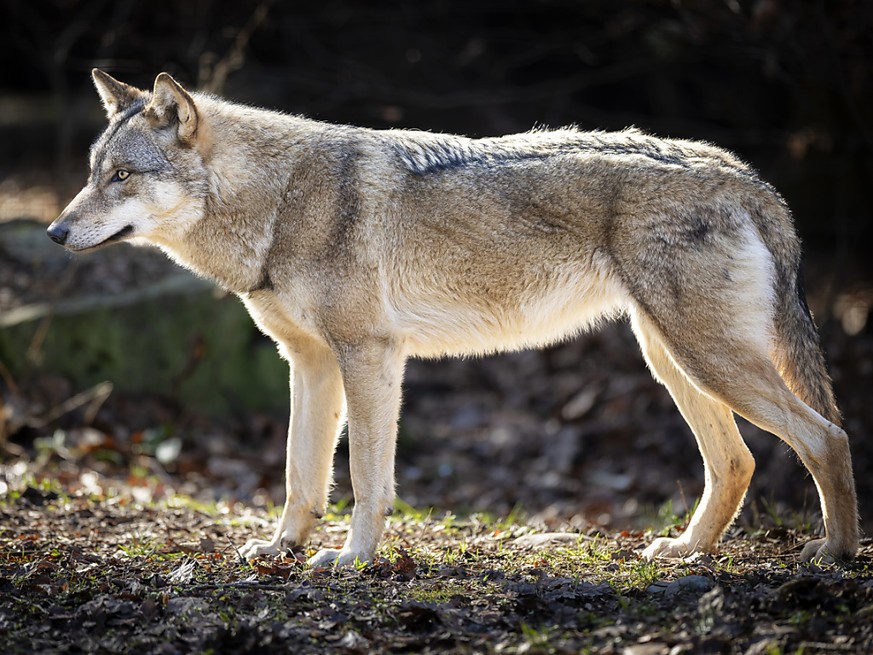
x=58, y=233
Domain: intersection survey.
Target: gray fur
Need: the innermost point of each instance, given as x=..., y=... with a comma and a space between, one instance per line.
x=423, y=152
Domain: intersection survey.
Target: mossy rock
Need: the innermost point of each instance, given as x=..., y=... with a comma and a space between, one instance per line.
x=171, y=334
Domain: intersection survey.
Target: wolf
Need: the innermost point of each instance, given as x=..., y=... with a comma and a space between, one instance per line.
x=355, y=249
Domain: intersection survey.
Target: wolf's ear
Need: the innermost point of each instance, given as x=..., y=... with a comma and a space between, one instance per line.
x=116, y=96
x=172, y=105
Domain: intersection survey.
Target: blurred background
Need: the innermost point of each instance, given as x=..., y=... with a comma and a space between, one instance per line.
x=121, y=374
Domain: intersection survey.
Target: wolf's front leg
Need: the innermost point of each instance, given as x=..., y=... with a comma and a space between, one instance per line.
x=316, y=413
x=373, y=375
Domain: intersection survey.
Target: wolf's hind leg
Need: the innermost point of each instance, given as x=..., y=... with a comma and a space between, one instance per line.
x=762, y=398
x=727, y=462
x=724, y=364
x=316, y=413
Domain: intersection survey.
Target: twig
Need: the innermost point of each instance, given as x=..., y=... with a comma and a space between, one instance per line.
x=34, y=350
x=93, y=397
x=6, y=375
x=242, y=584
x=235, y=57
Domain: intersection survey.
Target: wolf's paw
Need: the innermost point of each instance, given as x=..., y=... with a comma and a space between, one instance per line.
x=667, y=548
x=257, y=547
x=338, y=557
x=819, y=550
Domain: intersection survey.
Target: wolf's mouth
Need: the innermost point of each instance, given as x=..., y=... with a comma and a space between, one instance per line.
x=127, y=230
x=123, y=232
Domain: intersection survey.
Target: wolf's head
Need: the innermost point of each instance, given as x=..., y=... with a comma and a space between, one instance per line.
x=147, y=176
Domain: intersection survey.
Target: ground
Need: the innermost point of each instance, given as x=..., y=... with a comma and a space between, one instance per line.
x=107, y=574
x=117, y=540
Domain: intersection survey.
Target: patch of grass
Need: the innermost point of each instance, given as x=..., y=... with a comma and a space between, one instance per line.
x=138, y=546
x=515, y=519
x=788, y=518
x=640, y=575
x=338, y=510
x=405, y=511
x=670, y=521
x=445, y=590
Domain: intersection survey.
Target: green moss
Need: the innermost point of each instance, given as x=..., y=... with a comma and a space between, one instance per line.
x=185, y=342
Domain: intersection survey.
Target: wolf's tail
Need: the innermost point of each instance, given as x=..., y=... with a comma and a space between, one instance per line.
x=798, y=353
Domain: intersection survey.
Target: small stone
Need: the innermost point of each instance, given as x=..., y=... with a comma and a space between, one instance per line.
x=689, y=584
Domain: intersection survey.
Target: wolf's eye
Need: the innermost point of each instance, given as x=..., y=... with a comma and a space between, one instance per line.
x=120, y=175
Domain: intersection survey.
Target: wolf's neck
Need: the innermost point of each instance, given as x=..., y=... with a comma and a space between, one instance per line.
x=249, y=165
